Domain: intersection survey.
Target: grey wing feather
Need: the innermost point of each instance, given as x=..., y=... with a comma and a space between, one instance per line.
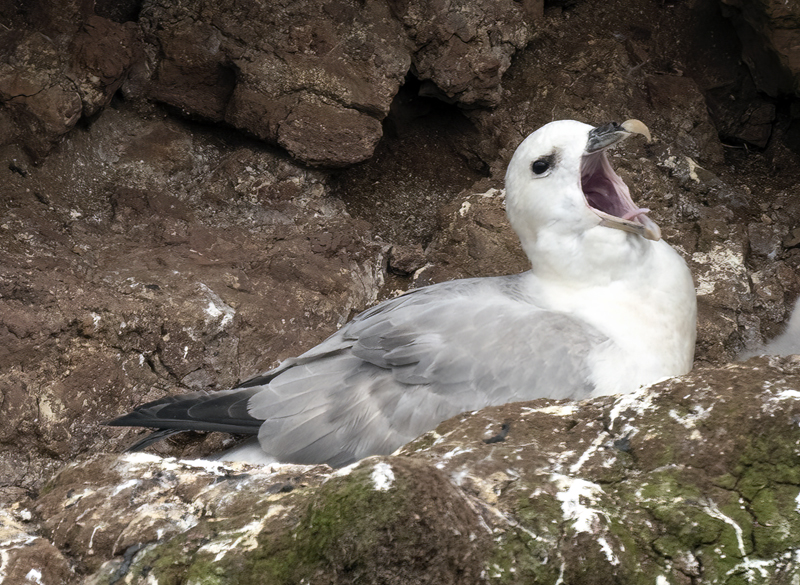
x=394, y=372
x=402, y=367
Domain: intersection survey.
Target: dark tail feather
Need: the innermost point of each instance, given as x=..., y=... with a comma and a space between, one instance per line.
x=153, y=437
x=224, y=411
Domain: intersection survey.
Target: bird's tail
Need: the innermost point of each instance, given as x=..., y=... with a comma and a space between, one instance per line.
x=225, y=411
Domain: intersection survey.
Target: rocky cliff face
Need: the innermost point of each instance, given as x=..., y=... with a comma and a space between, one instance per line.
x=193, y=191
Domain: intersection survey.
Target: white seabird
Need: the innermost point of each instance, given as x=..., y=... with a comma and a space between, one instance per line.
x=606, y=308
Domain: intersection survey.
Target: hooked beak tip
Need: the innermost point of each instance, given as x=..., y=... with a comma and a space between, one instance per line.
x=637, y=127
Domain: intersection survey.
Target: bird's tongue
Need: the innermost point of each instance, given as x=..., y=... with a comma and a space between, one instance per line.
x=635, y=213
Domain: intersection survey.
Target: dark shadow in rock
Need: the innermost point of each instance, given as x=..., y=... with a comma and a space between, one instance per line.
x=118, y=10
x=425, y=158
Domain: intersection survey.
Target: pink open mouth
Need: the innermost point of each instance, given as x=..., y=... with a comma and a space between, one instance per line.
x=608, y=196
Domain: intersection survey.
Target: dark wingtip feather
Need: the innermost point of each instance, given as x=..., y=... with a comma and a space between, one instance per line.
x=153, y=437
x=224, y=411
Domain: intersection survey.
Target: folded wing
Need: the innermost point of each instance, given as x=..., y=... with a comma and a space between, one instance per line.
x=402, y=367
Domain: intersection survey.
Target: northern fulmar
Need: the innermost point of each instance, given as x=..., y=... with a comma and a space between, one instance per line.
x=607, y=306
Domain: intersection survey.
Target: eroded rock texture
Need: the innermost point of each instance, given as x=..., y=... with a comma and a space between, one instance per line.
x=51, y=75
x=193, y=191
x=315, y=78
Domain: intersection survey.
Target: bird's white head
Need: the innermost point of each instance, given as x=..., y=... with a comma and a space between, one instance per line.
x=560, y=180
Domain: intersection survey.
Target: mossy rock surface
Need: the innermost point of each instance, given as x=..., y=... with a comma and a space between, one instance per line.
x=578, y=493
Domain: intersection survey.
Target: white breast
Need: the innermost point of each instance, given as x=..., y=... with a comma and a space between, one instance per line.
x=649, y=316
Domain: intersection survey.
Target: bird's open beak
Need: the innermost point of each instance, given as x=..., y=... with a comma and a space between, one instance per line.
x=606, y=193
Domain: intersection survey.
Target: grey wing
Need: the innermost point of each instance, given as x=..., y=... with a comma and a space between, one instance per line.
x=403, y=367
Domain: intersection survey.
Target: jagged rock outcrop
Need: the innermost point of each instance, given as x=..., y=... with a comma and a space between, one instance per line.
x=315, y=79
x=461, y=49
x=51, y=76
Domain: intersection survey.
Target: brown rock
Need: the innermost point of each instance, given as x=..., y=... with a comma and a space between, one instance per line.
x=191, y=74
x=405, y=260
x=463, y=48
x=792, y=240
x=318, y=80
x=680, y=99
x=103, y=53
x=475, y=239
x=27, y=558
x=34, y=91
x=46, y=83
x=315, y=79
x=165, y=226
x=327, y=135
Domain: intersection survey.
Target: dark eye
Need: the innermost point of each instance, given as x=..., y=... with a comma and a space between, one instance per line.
x=540, y=166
